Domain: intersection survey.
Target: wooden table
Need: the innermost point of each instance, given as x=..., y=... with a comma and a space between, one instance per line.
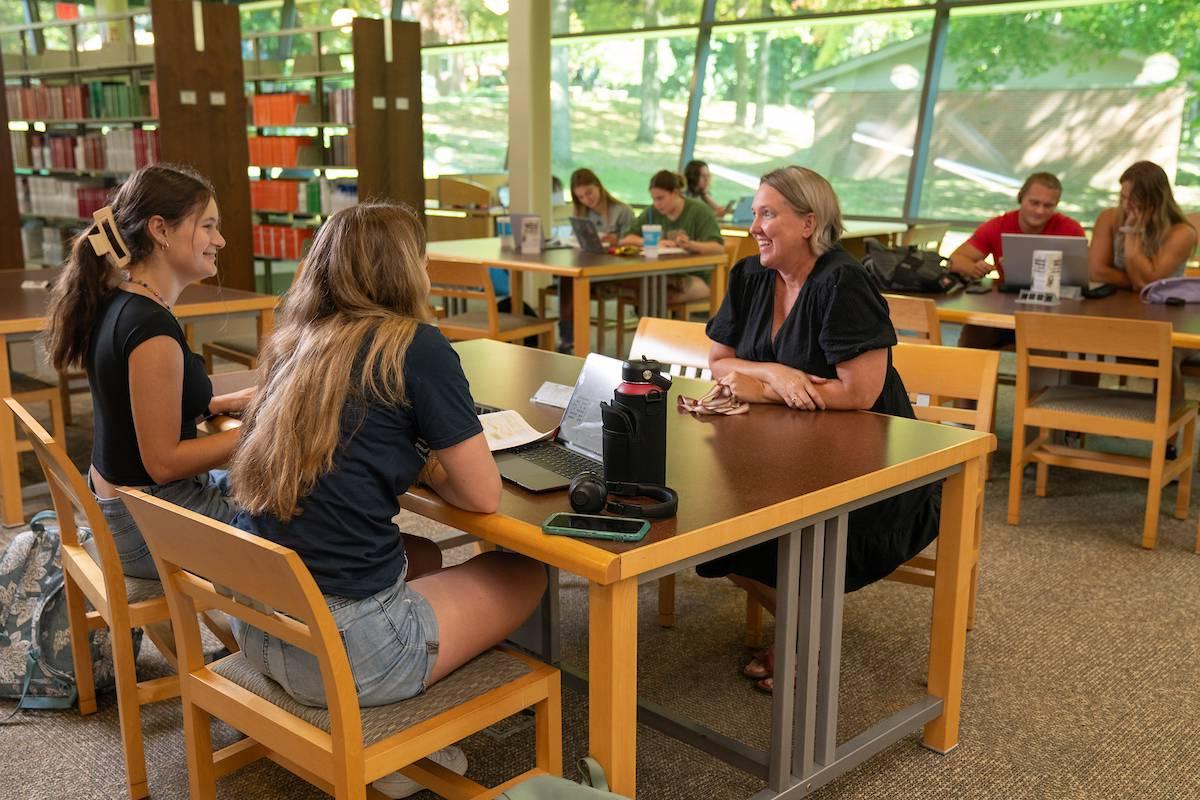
x=996, y=309
x=772, y=473
x=23, y=311
x=853, y=233
x=584, y=268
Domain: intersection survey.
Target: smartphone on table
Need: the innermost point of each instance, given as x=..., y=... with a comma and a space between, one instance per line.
x=596, y=526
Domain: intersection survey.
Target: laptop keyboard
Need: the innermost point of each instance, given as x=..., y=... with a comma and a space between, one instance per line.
x=557, y=459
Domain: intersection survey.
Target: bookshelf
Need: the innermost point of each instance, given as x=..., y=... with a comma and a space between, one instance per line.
x=336, y=115
x=82, y=108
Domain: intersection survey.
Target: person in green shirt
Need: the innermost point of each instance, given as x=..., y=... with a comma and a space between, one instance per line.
x=687, y=224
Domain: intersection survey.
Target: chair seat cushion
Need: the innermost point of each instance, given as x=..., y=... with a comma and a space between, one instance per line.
x=139, y=589
x=1110, y=403
x=479, y=321
x=486, y=672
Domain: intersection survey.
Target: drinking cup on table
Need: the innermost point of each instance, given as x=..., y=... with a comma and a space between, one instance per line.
x=651, y=236
x=504, y=230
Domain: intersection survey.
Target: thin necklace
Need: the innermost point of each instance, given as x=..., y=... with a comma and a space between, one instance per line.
x=151, y=289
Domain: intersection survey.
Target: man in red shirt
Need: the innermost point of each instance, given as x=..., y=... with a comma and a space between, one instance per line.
x=1037, y=200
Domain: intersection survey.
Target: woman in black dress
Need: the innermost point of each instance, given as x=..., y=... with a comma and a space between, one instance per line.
x=802, y=325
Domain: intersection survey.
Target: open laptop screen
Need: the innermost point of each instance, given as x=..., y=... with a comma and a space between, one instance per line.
x=580, y=428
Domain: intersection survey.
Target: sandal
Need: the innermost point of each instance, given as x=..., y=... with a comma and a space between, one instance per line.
x=761, y=666
x=766, y=685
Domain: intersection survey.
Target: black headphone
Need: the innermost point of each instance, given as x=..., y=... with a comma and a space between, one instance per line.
x=589, y=495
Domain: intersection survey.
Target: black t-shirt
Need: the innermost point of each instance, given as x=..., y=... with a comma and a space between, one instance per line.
x=838, y=316
x=344, y=531
x=125, y=321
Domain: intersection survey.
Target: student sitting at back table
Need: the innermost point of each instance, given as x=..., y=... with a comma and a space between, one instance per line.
x=699, y=181
x=686, y=223
x=352, y=378
x=1146, y=237
x=110, y=311
x=1037, y=200
x=612, y=217
x=1035, y=214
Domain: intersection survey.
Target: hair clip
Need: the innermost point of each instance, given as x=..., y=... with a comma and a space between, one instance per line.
x=108, y=242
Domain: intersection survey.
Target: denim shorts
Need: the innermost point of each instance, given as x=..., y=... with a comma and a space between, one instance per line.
x=391, y=640
x=206, y=494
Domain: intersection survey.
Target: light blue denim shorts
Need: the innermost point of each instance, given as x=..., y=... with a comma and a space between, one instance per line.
x=391, y=640
x=206, y=494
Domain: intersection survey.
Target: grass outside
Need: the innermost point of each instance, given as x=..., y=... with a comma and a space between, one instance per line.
x=470, y=133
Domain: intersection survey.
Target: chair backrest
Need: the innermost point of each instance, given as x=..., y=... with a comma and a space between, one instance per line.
x=71, y=497
x=465, y=282
x=461, y=193
x=681, y=346
x=1130, y=347
x=926, y=237
x=914, y=318
x=204, y=563
x=936, y=377
x=739, y=247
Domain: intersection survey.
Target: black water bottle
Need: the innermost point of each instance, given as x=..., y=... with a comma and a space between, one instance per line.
x=635, y=425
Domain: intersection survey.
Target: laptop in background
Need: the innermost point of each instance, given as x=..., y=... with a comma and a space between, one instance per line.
x=578, y=445
x=1018, y=259
x=743, y=212
x=587, y=235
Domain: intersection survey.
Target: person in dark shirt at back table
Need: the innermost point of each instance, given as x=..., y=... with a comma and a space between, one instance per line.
x=1037, y=200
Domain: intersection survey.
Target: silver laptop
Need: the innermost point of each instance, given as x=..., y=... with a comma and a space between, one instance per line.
x=578, y=445
x=743, y=213
x=1018, y=259
x=587, y=235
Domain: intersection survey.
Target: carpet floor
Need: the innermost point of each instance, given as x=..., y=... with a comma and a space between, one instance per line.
x=1082, y=675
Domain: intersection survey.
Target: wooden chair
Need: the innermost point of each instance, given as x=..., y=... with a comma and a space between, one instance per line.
x=602, y=292
x=343, y=749
x=471, y=282
x=914, y=318
x=936, y=379
x=1141, y=349
x=926, y=237
x=117, y=602
x=736, y=248
x=683, y=348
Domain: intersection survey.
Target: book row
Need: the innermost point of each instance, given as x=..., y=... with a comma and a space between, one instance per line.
x=117, y=151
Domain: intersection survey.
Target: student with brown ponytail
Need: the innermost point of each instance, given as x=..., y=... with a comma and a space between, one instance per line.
x=110, y=311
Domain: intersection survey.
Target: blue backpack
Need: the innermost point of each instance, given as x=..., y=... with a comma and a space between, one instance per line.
x=35, y=643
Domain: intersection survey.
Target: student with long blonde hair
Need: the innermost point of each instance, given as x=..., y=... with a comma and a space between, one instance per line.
x=354, y=378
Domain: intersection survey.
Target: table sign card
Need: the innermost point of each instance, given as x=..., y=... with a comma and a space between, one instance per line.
x=1047, y=271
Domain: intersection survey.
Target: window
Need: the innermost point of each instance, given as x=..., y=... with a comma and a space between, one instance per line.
x=618, y=107
x=1082, y=92
x=465, y=97
x=840, y=97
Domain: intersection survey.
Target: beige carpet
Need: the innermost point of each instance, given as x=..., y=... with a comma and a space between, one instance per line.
x=1082, y=676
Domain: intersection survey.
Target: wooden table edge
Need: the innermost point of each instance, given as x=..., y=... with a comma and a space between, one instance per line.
x=701, y=540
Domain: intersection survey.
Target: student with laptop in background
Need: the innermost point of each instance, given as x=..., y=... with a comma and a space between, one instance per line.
x=686, y=223
x=699, y=184
x=1037, y=200
x=1146, y=237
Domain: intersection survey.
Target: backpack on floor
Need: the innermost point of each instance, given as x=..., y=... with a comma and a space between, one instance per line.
x=594, y=786
x=35, y=644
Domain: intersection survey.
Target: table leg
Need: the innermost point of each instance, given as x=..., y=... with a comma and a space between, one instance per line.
x=716, y=292
x=581, y=300
x=264, y=324
x=516, y=290
x=10, y=466
x=612, y=681
x=951, y=599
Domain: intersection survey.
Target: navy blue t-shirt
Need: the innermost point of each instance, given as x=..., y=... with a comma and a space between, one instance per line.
x=344, y=532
